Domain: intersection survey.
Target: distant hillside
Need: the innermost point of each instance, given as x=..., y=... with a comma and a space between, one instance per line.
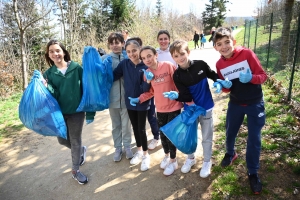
x=236, y=21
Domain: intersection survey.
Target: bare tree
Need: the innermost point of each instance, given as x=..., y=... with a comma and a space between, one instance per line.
x=25, y=16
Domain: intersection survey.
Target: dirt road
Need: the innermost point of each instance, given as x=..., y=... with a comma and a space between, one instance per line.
x=37, y=167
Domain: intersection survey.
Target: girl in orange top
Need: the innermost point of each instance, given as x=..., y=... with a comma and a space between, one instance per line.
x=159, y=75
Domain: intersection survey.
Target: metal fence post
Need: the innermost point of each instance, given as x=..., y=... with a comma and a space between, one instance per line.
x=295, y=60
x=255, y=38
x=249, y=35
x=245, y=32
x=270, y=36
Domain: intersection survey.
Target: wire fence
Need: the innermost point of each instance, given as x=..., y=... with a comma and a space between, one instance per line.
x=278, y=50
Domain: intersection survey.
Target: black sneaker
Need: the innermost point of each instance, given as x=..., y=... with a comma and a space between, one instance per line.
x=228, y=159
x=83, y=156
x=255, y=183
x=79, y=177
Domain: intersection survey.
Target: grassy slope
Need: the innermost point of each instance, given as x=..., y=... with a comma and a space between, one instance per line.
x=279, y=166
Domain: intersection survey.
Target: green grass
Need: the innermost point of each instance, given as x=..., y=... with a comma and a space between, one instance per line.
x=230, y=182
x=191, y=45
x=9, y=118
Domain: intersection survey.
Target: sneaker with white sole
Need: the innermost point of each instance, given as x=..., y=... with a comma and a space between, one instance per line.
x=128, y=153
x=83, y=156
x=145, y=163
x=153, y=144
x=118, y=155
x=165, y=162
x=137, y=158
x=205, y=170
x=79, y=177
x=188, y=165
x=171, y=167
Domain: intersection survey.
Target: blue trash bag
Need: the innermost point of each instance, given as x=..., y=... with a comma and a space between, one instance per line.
x=39, y=110
x=182, y=131
x=109, y=72
x=97, y=80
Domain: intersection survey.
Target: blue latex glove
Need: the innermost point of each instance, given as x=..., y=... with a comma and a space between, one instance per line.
x=225, y=83
x=149, y=75
x=133, y=101
x=245, y=77
x=172, y=95
x=218, y=87
x=88, y=121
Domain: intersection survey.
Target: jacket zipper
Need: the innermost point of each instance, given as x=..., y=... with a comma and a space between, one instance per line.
x=120, y=86
x=192, y=80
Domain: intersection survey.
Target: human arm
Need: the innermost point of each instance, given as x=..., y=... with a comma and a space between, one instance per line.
x=259, y=76
x=184, y=94
x=146, y=95
x=118, y=71
x=148, y=76
x=50, y=86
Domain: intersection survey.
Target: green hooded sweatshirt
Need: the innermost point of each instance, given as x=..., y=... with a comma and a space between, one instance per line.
x=67, y=89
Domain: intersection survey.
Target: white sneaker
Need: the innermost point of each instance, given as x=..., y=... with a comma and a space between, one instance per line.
x=171, y=167
x=145, y=163
x=137, y=158
x=153, y=144
x=188, y=165
x=165, y=162
x=205, y=171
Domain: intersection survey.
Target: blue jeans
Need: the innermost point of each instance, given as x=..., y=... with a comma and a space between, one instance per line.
x=256, y=120
x=152, y=119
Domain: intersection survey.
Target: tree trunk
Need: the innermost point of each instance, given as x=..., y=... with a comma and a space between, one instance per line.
x=24, y=60
x=285, y=35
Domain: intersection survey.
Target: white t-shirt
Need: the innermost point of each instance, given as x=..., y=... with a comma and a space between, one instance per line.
x=165, y=55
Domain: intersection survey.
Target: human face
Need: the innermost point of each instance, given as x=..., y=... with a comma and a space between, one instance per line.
x=181, y=58
x=163, y=41
x=149, y=58
x=116, y=46
x=225, y=47
x=133, y=51
x=56, y=54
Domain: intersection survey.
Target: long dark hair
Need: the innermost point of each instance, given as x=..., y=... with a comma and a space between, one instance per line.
x=163, y=32
x=67, y=56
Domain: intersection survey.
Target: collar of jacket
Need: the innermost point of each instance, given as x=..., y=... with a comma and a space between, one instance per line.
x=55, y=70
x=190, y=63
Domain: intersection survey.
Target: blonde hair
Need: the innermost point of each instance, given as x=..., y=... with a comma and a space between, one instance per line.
x=177, y=45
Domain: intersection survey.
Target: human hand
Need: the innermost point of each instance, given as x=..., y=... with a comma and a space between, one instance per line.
x=37, y=74
x=245, y=77
x=149, y=75
x=225, y=83
x=88, y=121
x=218, y=87
x=133, y=101
x=172, y=95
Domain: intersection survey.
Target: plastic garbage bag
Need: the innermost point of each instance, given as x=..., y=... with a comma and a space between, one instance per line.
x=182, y=131
x=97, y=80
x=39, y=110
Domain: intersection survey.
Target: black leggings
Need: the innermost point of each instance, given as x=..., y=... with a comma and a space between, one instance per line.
x=163, y=119
x=138, y=122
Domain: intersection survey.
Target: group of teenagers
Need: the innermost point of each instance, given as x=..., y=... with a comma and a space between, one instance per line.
x=157, y=84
